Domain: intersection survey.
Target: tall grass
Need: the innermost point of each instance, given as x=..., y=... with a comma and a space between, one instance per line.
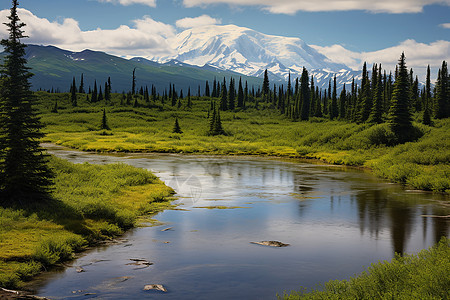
x=422, y=276
x=90, y=203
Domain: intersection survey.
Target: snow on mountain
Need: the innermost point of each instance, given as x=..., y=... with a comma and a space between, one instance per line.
x=249, y=52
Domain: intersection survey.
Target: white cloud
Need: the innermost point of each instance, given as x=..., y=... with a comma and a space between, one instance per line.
x=146, y=38
x=151, y=3
x=293, y=6
x=197, y=22
x=418, y=55
x=445, y=25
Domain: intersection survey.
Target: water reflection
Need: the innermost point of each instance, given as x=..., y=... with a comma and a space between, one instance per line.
x=336, y=221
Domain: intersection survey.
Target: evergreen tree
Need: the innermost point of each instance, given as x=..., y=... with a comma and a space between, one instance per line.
x=107, y=93
x=176, y=127
x=427, y=95
x=100, y=94
x=304, y=95
x=442, y=93
x=240, y=97
x=266, y=87
x=94, y=93
x=73, y=93
x=24, y=174
x=312, y=109
x=365, y=98
x=81, y=89
x=343, y=104
x=231, y=95
x=133, y=83
x=214, y=91
x=223, y=96
x=377, y=108
x=207, y=93
x=399, y=117
x=334, y=112
x=104, y=123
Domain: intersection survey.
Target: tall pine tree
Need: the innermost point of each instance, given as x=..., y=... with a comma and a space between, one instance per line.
x=24, y=174
x=399, y=117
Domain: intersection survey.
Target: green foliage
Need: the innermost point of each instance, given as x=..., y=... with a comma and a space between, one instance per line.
x=91, y=203
x=422, y=276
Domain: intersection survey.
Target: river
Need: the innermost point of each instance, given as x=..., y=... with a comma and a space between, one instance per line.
x=337, y=221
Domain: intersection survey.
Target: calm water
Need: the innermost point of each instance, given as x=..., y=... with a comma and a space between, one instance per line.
x=336, y=221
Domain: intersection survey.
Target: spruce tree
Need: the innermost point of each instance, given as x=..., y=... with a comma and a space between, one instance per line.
x=304, y=95
x=207, y=93
x=240, y=96
x=232, y=95
x=399, y=117
x=73, y=93
x=334, y=112
x=133, y=83
x=442, y=93
x=94, y=93
x=189, y=101
x=266, y=87
x=377, y=107
x=343, y=104
x=81, y=88
x=24, y=174
x=223, y=96
x=176, y=127
x=427, y=95
x=104, y=123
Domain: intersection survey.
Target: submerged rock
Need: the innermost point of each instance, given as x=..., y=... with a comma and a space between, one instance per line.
x=155, y=287
x=140, y=262
x=271, y=243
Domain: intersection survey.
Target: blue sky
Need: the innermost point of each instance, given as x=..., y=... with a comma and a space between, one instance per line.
x=348, y=30
x=357, y=30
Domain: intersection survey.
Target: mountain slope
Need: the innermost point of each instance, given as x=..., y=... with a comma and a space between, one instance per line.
x=55, y=68
x=249, y=52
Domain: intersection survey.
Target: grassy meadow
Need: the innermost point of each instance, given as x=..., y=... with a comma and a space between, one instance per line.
x=422, y=164
x=90, y=203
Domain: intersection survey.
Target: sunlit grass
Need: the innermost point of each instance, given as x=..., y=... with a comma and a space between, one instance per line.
x=423, y=164
x=91, y=203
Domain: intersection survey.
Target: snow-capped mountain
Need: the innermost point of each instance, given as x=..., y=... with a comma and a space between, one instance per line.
x=249, y=52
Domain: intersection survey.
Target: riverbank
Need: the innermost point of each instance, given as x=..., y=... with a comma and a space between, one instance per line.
x=425, y=275
x=423, y=164
x=91, y=203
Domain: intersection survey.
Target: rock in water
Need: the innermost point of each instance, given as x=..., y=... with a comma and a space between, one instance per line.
x=156, y=287
x=271, y=243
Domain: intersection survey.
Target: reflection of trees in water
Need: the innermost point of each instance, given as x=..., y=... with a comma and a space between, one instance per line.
x=378, y=209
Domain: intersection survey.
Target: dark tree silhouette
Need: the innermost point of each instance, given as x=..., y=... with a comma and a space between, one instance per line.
x=24, y=174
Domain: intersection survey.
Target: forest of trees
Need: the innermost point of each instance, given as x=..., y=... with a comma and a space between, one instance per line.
x=379, y=98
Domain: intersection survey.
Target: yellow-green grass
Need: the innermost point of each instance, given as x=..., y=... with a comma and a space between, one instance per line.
x=422, y=164
x=422, y=276
x=90, y=203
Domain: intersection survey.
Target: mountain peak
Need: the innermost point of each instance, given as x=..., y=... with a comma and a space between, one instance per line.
x=249, y=52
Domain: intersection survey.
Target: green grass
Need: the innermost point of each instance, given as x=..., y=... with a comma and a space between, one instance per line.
x=90, y=203
x=422, y=276
x=422, y=164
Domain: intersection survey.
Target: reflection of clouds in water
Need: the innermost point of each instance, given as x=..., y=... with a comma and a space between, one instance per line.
x=187, y=186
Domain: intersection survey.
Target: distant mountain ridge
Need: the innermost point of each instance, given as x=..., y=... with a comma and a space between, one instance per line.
x=249, y=52
x=54, y=68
